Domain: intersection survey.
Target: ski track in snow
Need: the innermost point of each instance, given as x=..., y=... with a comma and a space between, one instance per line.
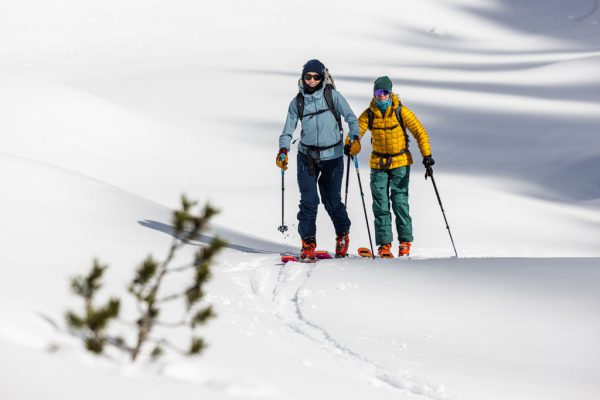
x=285, y=299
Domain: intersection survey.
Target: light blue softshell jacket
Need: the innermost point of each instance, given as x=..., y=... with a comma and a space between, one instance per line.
x=319, y=130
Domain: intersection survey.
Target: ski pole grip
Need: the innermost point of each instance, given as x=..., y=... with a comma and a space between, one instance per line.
x=282, y=157
x=428, y=172
x=355, y=162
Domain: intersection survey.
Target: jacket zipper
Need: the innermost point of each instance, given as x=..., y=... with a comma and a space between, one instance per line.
x=317, y=125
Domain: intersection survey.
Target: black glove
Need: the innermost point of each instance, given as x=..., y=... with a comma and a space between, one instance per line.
x=428, y=161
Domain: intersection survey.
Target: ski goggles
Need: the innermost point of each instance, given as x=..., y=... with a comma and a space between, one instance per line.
x=382, y=92
x=316, y=77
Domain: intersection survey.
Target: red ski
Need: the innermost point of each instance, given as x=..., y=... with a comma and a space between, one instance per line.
x=319, y=254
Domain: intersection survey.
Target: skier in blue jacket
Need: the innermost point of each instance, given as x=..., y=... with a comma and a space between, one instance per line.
x=320, y=156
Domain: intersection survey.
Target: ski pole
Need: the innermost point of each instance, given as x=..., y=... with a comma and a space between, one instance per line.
x=429, y=172
x=347, y=180
x=362, y=195
x=283, y=228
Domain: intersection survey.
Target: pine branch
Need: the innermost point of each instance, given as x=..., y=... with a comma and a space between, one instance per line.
x=197, y=345
x=145, y=288
x=171, y=324
x=169, y=298
x=182, y=268
x=201, y=317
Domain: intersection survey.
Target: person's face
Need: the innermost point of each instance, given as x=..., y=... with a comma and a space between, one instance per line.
x=312, y=79
x=382, y=94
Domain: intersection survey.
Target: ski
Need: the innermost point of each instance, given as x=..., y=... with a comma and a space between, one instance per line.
x=364, y=252
x=319, y=255
x=323, y=255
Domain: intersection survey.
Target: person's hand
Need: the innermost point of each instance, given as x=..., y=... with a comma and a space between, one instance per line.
x=352, y=148
x=428, y=161
x=282, y=159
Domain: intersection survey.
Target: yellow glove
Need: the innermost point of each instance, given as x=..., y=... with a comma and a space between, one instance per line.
x=352, y=148
x=282, y=159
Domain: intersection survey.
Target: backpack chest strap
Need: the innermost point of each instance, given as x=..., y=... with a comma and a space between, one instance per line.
x=390, y=128
x=328, y=94
x=314, y=113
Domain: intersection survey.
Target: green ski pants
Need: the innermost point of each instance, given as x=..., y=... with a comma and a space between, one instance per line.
x=385, y=186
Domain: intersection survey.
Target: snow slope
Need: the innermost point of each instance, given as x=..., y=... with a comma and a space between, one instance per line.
x=111, y=110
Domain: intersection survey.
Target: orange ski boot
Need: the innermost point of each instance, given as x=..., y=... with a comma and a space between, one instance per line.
x=307, y=254
x=341, y=245
x=384, y=251
x=404, y=249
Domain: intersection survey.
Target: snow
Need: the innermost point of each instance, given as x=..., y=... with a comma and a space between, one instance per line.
x=111, y=110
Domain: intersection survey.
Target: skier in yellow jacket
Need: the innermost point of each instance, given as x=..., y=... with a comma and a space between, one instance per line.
x=387, y=119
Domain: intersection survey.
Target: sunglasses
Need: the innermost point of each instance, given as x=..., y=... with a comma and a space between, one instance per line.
x=382, y=92
x=316, y=77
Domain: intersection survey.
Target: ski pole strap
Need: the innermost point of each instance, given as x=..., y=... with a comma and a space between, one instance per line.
x=385, y=160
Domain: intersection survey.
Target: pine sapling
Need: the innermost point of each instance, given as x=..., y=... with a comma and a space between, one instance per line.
x=93, y=323
x=147, y=285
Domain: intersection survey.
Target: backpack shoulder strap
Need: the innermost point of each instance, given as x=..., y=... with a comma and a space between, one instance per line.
x=329, y=99
x=398, y=112
x=371, y=116
x=300, y=105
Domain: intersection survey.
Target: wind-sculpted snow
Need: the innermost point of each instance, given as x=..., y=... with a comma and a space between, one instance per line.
x=111, y=110
x=418, y=326
x=367, y=369
x=281, y=291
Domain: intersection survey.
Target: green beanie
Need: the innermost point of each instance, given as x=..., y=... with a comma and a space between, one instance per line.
x=383, y=82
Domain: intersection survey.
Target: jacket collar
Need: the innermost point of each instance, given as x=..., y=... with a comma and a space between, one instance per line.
x=376, y=110
x=318, y=93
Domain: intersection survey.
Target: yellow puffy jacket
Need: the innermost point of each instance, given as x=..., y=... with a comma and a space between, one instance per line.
x=387, y=137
